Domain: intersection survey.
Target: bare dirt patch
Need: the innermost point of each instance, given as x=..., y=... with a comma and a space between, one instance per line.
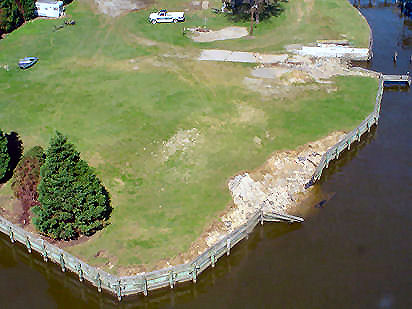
x=228, y=33
x=299, y=73
x=181, y=142
x=115, y=8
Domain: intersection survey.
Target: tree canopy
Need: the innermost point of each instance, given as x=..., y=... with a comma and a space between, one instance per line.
x=4, y=155
x=15, y=12
x=72, y=199
x=255, y=9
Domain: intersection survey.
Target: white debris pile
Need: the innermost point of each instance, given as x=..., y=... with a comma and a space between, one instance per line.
x=334, y=51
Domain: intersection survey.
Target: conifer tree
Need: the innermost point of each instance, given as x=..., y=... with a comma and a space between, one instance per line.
x=4, y=155
x=72, y=199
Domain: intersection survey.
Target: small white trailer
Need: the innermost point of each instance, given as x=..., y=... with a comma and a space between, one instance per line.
x=49, y=8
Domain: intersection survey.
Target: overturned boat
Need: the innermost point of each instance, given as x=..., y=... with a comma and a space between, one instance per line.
x=27, y=62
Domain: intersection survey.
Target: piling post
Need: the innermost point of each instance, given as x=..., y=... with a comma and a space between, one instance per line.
x=98, y=283
x=261, y=215
x=63, y=266
x=395, y=57
x=80, y=272
x=212, y=259
x=28, y=245
x=228, y=246
x=171, y=279
x=44, y=253
x=327, y=159
x=11, y=234
x=194, y=273
x=119, y=291
x=145, y=285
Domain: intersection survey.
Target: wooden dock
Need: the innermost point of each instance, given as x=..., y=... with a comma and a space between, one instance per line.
x=397, y=80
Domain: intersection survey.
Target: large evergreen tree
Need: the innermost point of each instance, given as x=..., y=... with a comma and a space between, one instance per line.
x=4, y=155
x=72, y=199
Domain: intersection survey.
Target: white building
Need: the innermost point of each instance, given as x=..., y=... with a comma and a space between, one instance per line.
x=49, y=8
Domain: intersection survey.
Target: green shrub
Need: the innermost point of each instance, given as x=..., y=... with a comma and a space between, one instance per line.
x=27, y=176
x=72, y=199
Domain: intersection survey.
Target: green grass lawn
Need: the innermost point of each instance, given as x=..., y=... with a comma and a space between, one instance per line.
x=119, y=117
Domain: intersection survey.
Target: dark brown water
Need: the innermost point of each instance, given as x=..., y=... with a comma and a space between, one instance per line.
x=354, y=252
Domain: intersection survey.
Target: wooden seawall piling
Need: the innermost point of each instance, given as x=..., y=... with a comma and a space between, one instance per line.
x=353, y=136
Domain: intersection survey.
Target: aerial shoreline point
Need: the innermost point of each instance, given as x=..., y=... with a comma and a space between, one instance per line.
x=168, y=134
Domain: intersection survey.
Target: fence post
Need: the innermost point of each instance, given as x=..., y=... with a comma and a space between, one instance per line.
x=98, y=283
x=62, y=262
x=358, y=135
x=45, y=257
x=11, y=234
x=228, y=246
x=171, y=279
x=337, y=153
x=28, y=245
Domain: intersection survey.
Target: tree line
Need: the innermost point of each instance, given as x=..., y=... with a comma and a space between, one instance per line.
x=58, y=190
x=14, y=13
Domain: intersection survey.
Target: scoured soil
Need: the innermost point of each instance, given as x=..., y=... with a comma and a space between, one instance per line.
x=278, y=186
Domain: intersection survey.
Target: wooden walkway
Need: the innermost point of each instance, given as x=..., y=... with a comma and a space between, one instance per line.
x=397, y=80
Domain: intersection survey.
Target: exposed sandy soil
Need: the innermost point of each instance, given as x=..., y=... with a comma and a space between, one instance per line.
x=227, y=33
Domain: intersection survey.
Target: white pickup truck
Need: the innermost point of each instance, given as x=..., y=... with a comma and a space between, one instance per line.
x=163, y=16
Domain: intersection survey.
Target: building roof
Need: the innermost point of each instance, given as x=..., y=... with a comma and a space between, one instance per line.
x=49, y=1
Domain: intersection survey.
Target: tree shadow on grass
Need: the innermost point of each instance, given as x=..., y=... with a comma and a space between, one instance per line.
x=15, y=149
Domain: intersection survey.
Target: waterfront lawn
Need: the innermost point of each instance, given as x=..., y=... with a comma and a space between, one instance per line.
x=119, y=100
x=301, y=22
